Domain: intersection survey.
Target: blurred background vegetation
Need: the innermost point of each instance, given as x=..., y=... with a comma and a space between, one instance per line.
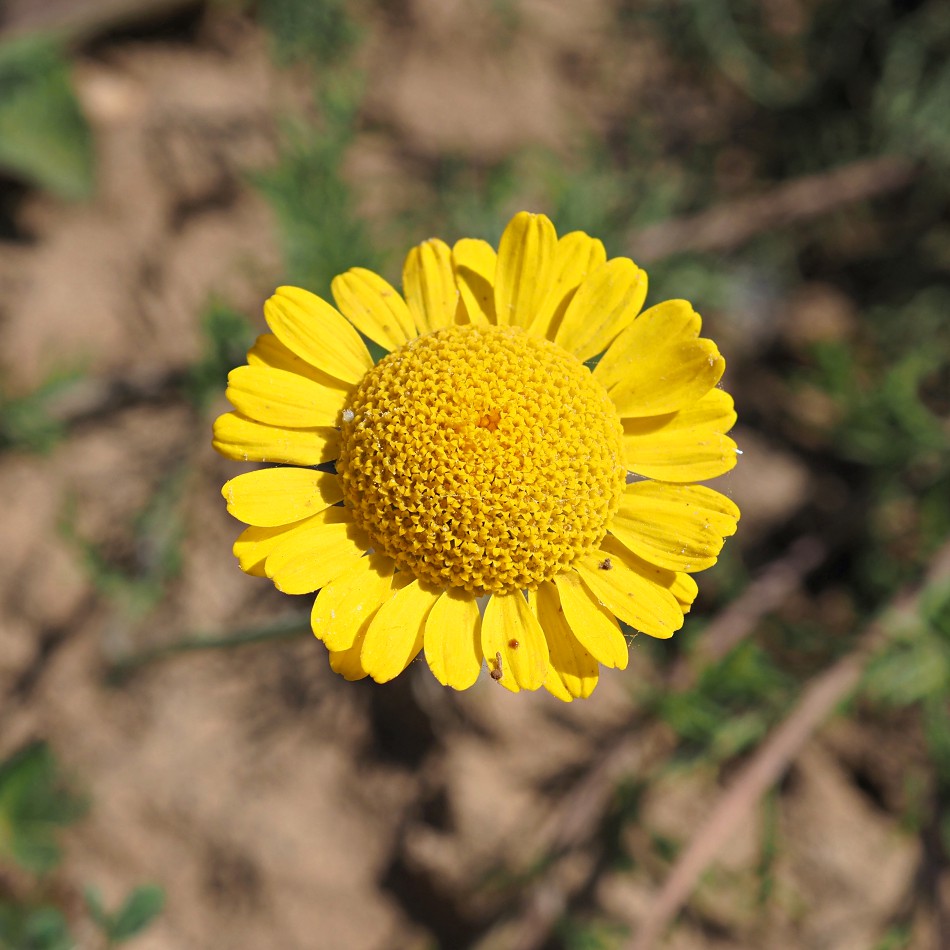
x=781, y=163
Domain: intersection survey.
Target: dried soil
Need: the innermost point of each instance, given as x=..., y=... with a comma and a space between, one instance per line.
x=278, y=805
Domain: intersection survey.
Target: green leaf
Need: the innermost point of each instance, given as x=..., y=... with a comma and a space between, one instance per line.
x=96, y=908
x=34, y=803
x=46, y=930
x=914, y=668
x=44, y=136
x=35, y=849
x=139, y=910
x=937, y=733
x=322, y=233
x=318, y=31
x=33, y=928
x=910, y=100
x=28, y=421
x=731, y=706
x=227, y=336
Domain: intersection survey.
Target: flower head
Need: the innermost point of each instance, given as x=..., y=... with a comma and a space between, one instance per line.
x=482, y=459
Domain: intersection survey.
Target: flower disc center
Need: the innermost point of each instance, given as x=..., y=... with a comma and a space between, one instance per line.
x=481, y=458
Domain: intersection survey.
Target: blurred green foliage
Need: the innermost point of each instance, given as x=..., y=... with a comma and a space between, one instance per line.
x=915, y=669
x=897, y=937
x=227, y=335
x=318, y=32
x=135, y=577
x=27, y=421
x=36, y=804
x=321, y=231
x=578, y=934
x=890, y=389
x=137, y=911
x=44, y=136
x=731, y=708
x=40, y=927
x=911, y=98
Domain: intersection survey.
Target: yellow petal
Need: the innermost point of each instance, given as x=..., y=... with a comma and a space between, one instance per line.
x=344, y=607
x=685, y=446
x=636, y=592
x=317, y=554
x=673, y=321
x=319, y=333
x=346, y=663
x=573, y=671
x=395, y=635
x=281, y=398
x=593, y=625
x=452, y=640
x=237, y=437
x=254, y=545
x=512, y=635
x=525, y=264
x=374, y=307
x=679, y=527
x=668, y=379
x=605, y=304
x=577, y=255
x=269, y=351
x=685, y=589
x=474, y=264
x=429, y=285
x=276, y=496
x=556, y=686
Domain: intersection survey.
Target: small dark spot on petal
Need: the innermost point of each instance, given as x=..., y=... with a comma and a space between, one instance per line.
x=605, y=564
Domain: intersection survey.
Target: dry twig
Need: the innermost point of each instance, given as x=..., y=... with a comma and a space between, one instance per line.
x=729, y=225
x=566, y=833
x=819, y=700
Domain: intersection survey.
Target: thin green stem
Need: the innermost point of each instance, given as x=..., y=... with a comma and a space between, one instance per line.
x=291, y=626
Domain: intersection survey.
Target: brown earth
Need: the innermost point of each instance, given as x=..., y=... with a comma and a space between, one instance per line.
x=278, y=805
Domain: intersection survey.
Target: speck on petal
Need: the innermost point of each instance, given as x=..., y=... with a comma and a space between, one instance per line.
x=511, y=629
x=634, y=591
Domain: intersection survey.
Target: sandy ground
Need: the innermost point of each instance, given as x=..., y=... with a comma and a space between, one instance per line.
x=278, y=805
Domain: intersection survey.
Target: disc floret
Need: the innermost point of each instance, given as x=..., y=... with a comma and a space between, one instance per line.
x=481, y=458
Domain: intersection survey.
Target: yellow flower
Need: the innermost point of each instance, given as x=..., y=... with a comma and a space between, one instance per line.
x=482, y=459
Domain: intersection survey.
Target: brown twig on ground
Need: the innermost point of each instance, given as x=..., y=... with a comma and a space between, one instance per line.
x=765, y=594
x=566, y=832
x=732, y=223
x=825, y=692
x=93, y=398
